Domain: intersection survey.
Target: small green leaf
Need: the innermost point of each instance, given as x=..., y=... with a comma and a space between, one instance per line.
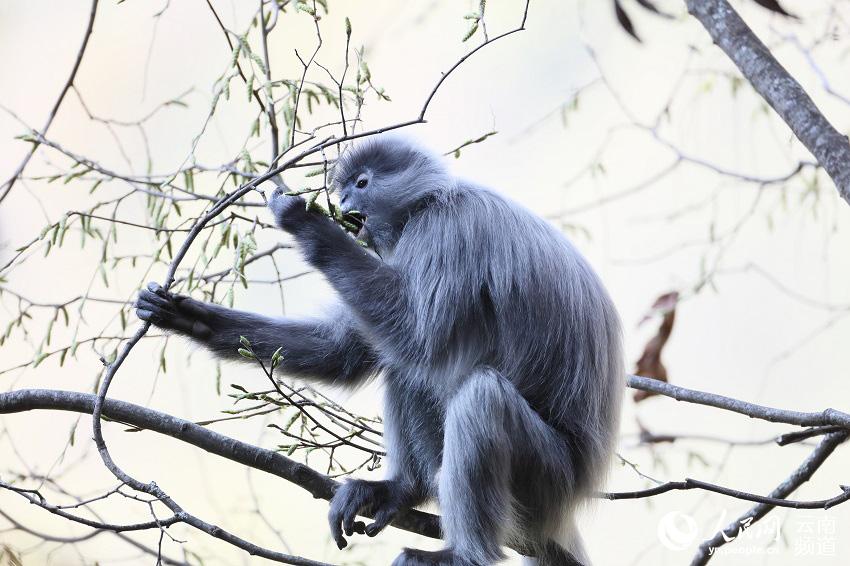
x=277, y=357
x=38, y=359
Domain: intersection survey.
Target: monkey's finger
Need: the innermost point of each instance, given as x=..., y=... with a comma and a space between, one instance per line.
x=348, y=501
x=382, y=518
x=160, y=310
x=145, y=315
x=155, y=287
x=352, y=527
x=338, y=538
x=157, y=317
x=344, y=508
x=156, y=310
x=151, y=298
x=348, y=519
x=169, y=320
x=335, y=521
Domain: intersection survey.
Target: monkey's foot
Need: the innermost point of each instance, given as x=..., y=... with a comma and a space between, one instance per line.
x=413, y=557
x=381, y=499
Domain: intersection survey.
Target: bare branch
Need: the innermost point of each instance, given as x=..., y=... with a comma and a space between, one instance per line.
x=769, y=500
x=317, y=484
x=770, y=79
x=826, y=417
x=7, y=186
x=801, y=475
x=84, y=537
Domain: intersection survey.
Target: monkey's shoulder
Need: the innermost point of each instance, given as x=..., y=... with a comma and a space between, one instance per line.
x=472, y=220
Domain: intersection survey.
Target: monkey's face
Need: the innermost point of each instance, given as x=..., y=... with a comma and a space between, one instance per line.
x=369, y=200
x=355, y=199
x=355, y=192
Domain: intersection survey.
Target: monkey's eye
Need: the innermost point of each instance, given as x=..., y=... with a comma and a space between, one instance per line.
x=362, y=183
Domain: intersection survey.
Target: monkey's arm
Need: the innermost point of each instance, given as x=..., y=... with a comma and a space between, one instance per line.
x=368, y=285
x=323, y=350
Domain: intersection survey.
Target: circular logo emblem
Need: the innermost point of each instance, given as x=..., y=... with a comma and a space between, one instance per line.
x=677, y=530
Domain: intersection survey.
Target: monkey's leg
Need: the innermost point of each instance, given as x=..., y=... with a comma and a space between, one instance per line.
x=326, y=350
x=413, y=434
x=494, y=445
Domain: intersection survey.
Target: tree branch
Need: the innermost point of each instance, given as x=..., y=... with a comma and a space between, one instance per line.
x=88, y=536
x=801, y=475
x=768, y=500
x=770, y=79
x=317, y=484
x=321, y=486
x=7, y=186
x=827, y=417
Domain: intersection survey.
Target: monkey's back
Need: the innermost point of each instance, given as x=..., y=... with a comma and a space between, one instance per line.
x=491, y=284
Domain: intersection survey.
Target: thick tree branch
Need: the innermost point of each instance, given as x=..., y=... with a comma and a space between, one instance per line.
x=770, y=79
x=323, y=487
x=317, y=484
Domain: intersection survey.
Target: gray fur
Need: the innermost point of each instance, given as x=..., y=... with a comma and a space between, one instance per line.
x=499, y=346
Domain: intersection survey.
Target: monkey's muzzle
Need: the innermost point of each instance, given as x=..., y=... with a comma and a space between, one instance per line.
x=356, y=223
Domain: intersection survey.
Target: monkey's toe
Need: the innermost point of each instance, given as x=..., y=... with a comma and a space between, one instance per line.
x=383, y=517
x=349, y=501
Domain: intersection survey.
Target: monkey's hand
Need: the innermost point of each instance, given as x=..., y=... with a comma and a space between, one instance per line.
x=173, y=312
x=289, y=211
x=381, y=499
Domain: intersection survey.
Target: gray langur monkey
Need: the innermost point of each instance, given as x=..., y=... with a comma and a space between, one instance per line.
x=499, y=348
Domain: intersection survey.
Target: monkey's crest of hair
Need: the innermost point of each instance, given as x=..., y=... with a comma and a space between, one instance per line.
x=386, y=155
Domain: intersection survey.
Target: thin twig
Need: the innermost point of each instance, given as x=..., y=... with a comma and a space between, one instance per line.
x=801, y=475
x=7, y=186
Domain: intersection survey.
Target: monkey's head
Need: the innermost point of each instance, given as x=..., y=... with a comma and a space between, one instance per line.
x=385, y=178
